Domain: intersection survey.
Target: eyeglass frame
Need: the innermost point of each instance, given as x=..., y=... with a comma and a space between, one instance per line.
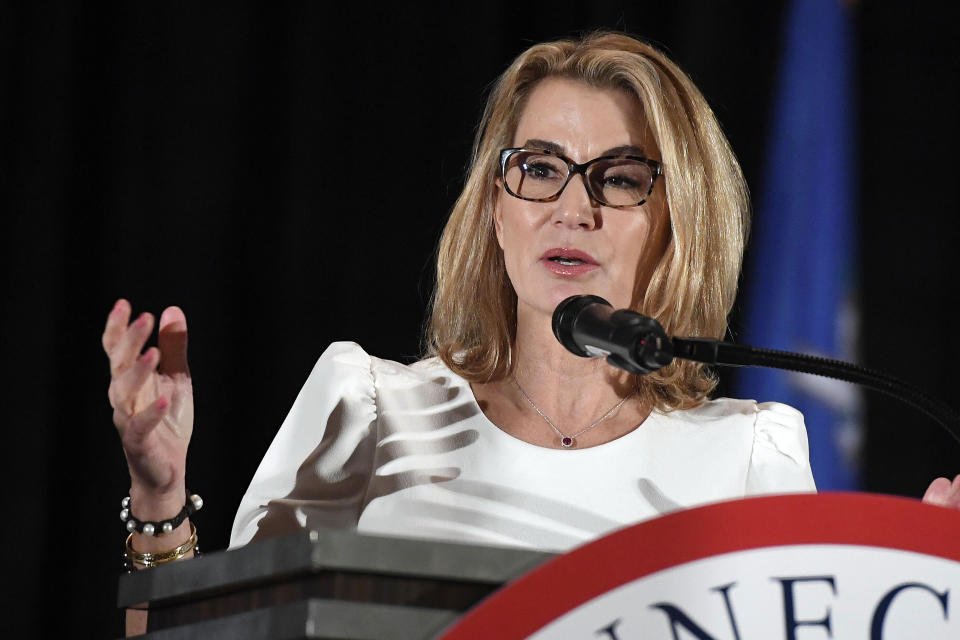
x=575, y=168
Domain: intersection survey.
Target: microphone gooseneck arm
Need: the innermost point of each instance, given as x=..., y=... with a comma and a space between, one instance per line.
x=714, y=352
x=588, y=327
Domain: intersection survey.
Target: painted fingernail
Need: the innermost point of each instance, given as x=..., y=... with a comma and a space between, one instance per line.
x=119, y=304
x=162, y=403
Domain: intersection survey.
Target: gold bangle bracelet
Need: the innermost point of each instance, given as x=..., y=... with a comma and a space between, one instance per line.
x=162, y=557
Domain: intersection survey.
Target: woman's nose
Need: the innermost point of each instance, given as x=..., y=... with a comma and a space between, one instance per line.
x=575, y=207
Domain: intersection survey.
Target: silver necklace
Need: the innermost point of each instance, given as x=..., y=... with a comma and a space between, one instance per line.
x=570, y=441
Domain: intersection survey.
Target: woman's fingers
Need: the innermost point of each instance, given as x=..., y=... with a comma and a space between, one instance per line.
x=131, y=343
x=117, y=321
x=173, y=341
x=937, y=491
x=944, y=493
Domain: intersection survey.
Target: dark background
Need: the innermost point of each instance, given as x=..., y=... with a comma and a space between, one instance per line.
x=215, y=158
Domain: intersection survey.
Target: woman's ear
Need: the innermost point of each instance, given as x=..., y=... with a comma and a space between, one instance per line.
x=498, y=213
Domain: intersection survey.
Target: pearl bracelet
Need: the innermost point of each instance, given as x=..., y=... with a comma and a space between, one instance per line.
x=153, y=528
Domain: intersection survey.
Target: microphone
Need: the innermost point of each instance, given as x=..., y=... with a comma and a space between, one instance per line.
x=589, y=327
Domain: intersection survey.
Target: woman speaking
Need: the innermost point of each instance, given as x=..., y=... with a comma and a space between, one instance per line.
x=598, y=168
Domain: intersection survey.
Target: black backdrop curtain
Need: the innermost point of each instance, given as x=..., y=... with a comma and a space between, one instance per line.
x=221, y=159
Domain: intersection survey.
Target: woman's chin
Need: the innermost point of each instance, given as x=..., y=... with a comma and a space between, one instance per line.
x=559, y=293
x=547, y=299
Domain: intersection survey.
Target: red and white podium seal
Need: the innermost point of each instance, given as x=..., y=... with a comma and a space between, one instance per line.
x=805, y=567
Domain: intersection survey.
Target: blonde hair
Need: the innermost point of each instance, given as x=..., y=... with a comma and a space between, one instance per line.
x=691, y=290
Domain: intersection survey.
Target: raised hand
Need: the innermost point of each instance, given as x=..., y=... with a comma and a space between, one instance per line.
x=152, y=398
x=944, y=493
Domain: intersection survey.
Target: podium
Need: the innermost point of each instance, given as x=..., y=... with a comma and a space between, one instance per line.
x=322, y=584
x=843, y=565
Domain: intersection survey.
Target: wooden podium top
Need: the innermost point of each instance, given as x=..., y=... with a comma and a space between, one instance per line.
x=327, y=583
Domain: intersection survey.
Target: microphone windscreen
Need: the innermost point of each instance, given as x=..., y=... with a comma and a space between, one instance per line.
x=566, y=314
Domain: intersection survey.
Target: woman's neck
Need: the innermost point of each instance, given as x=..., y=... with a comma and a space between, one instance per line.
x=559, y=381
x=549, y=383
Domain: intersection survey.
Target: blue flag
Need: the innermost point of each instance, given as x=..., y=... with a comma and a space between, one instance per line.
x=802, y=289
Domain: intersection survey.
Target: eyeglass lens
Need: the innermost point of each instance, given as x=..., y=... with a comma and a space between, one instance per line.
x=614, y=181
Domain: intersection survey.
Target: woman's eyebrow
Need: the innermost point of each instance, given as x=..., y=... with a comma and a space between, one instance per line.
x=625, y=150
x=535, y=143
x=622, y=150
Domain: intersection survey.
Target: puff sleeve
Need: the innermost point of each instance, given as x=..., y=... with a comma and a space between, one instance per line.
x=780, y=458
x=317, y=469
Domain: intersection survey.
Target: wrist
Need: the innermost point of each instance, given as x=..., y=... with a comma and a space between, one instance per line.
x=150, y=504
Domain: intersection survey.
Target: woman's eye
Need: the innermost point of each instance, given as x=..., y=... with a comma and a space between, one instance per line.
x=541, y=171
x=620, y=182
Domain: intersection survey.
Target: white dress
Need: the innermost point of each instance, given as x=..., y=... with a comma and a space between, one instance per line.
x=405, y=450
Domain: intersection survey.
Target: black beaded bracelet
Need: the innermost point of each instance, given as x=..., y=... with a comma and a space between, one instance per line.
x=153, y=528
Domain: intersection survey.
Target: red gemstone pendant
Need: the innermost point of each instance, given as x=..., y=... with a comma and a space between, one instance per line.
x=566, y=442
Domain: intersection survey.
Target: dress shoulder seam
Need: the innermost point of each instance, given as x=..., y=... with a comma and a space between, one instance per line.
x=375, y=425
x=753, y=446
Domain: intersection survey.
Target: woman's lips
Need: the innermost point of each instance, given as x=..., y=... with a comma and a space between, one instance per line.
x=568, y=263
